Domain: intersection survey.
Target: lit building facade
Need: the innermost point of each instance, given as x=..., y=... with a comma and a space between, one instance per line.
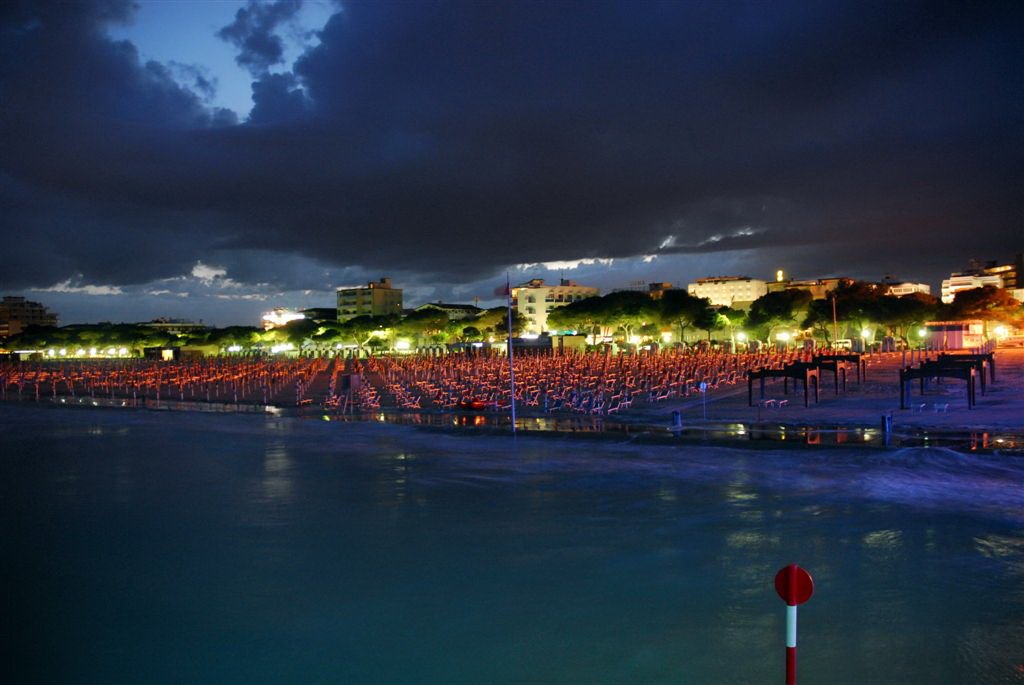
x=378, y=298
x=1012, y=273
x=535, y=299
x=729, y=291
x=1009, y=276
x=455, y=312
x=958, y=282
x=17, y=313
x=901, y=289
x=955, y=335
x=175, y=326
x=819, y=288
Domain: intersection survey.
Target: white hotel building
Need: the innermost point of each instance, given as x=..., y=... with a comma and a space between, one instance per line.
x=729, y=291
x=957, y=282
x=533, y=300
x=901, y=289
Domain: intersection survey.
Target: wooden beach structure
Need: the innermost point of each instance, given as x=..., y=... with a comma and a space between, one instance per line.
x=938, y=370
x=805, y=372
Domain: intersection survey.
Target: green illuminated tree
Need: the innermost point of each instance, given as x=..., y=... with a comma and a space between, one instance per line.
x=902, y=314
x=681, y=310
x=626, y=310
x=426, y=324
x=730, y=320
x=586, y=316
x=778, y=309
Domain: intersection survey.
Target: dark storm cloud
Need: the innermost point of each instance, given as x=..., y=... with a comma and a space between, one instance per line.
x=277, y=99
x=252, y=32
x=452, y=139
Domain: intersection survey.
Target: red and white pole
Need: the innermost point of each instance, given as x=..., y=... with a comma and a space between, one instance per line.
x=795, y=586
x=790, y=645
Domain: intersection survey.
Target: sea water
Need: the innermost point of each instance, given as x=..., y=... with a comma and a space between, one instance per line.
x=161, y=547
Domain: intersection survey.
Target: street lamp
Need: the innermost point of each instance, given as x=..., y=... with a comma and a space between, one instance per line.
x=835, y=321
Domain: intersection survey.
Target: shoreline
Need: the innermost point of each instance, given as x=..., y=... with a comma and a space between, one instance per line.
x=862, y=410
x=775, y=431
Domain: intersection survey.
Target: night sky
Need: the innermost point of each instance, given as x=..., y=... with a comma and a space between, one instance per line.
x=213, y=160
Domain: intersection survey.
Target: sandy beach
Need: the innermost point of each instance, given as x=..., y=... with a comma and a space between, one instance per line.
x=943, y=406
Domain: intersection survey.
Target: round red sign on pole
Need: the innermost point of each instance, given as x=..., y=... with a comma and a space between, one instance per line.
x=794, y=585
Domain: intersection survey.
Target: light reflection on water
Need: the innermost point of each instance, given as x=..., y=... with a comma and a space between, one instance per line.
x=883, y=539
x=193, y=548
x=1003, y=441
x=276, y=484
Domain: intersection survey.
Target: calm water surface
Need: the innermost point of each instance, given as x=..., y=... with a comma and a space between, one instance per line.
x=145, y=547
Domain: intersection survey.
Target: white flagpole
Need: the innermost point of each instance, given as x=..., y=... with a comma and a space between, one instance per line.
x=511, y=366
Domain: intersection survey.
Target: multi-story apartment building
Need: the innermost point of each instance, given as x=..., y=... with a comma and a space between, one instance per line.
x=1009, y=276
x=376, y=299
x=728, y=291
x=967, y=281
x=1012, y=273
x=17, y=313
x=534, y=300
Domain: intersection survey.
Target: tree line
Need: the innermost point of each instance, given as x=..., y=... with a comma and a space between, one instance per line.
x=850, y=308
x=622, y=316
